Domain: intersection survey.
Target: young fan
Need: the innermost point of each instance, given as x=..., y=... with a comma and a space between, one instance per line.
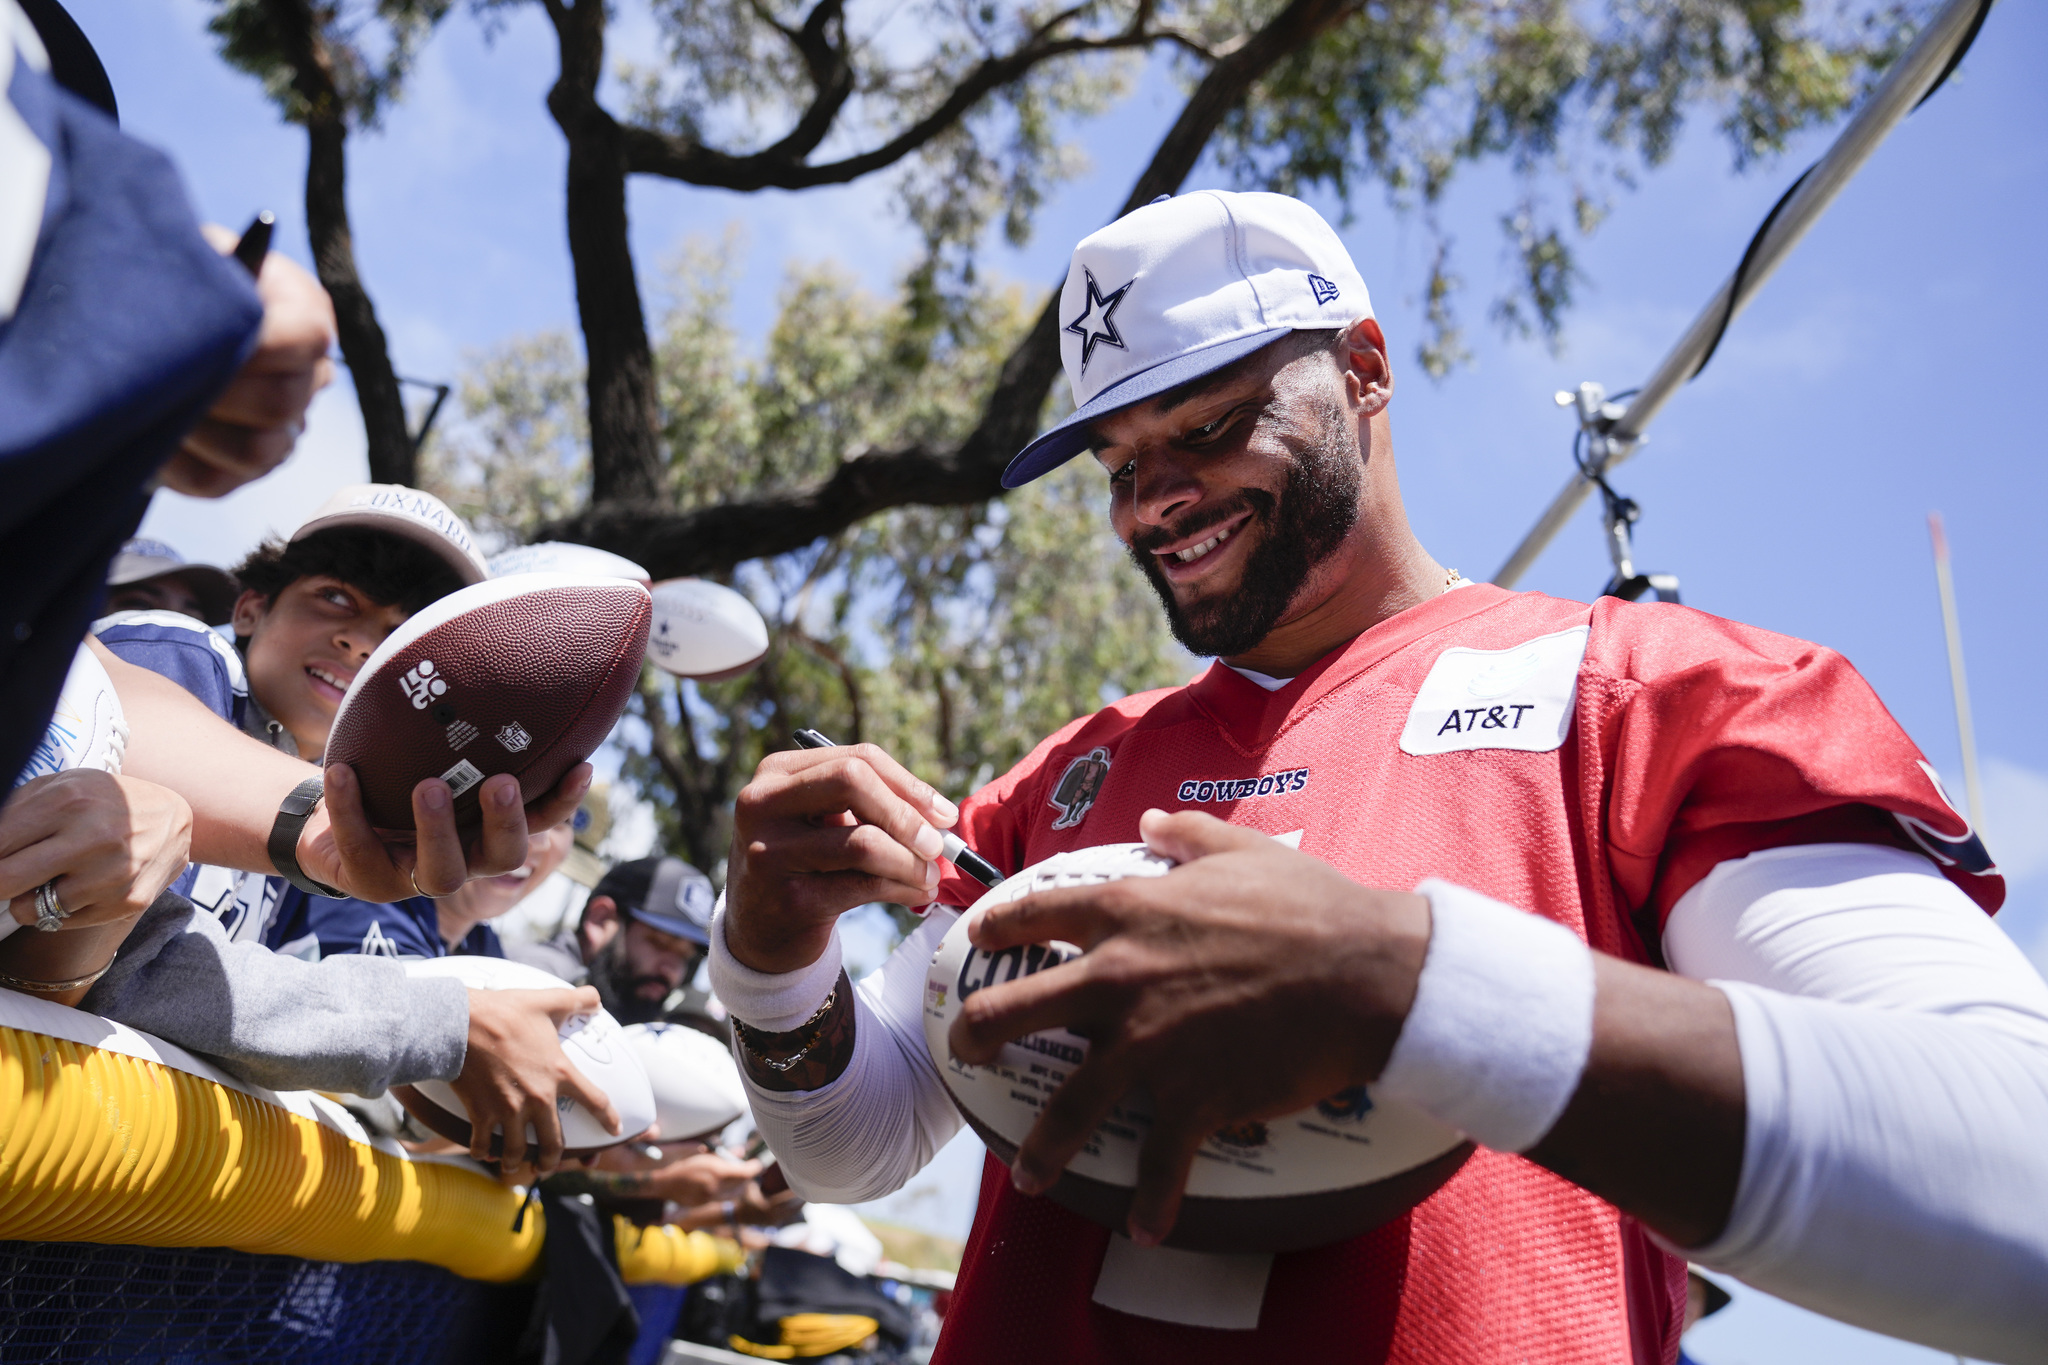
x=312, y=609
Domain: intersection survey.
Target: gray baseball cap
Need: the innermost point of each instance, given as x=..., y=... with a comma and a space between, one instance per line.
x=140, y=560
x=663, y=893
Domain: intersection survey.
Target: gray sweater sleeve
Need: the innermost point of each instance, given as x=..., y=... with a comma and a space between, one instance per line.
x=355, y=1024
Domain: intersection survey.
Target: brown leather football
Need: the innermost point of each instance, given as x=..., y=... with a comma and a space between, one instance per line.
x=524, y=675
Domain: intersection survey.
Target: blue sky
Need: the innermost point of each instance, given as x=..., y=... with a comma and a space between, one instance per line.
x=1881, y=374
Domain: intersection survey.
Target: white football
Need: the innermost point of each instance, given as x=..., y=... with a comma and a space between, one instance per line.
x=704, y=630
x=1324, y=1174
x=565, y=556
x=695, y=1081
x=594, y=1042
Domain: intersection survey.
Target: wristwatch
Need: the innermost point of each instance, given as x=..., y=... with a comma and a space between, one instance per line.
x=292, y=814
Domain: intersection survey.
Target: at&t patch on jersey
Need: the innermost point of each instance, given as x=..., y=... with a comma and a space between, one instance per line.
x=1515, y=698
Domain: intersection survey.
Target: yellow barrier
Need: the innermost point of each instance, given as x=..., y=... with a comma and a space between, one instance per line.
x=129, y=1140
x=667, y=1255
x=808, y=1335
x=101, y=1146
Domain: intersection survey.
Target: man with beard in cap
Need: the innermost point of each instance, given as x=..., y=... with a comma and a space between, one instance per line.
x=641, y=935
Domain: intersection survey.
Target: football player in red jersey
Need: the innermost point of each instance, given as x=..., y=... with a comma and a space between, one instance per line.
x=1600, y=810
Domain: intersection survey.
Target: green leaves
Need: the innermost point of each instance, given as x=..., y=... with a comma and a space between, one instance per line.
x=348, y=54
x=1410, y=91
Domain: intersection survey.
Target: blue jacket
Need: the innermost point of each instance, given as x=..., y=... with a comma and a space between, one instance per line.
x=125, y=326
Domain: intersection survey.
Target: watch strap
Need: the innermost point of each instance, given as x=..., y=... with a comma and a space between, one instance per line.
x=292, y=814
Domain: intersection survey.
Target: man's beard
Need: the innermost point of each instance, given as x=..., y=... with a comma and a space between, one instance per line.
x=620, y=992
x=1313, y=515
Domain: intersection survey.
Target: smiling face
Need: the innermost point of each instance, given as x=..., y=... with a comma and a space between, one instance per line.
x=305, y=648
x=1235, y=493
x=486, y=898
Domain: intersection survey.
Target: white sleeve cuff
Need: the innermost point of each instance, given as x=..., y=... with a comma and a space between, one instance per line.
x=773, y=1002
x=1502, y=1023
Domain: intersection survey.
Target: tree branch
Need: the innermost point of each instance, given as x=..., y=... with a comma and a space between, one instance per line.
x=782, y=166
x=713, y=539
x=822, y=44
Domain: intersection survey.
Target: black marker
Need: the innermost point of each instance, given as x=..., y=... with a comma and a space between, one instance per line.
x=255, y=242
x=963, y=857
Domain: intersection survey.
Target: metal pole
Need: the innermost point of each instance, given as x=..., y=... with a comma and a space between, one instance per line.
x=1965, y=731
x=1893, y=99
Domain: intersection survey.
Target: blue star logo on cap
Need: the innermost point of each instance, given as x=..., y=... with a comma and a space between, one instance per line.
x=1095, y=326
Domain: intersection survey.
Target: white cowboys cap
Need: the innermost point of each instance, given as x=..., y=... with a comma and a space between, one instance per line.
x=1184, y=286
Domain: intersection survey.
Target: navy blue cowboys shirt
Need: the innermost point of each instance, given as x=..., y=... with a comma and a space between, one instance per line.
x=314, y=927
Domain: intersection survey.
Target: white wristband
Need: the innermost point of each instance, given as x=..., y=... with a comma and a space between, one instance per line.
x=1497, y=1038
x=773, y=1002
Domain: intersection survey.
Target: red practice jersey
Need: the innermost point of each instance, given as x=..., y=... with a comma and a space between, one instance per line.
x=1589, y=764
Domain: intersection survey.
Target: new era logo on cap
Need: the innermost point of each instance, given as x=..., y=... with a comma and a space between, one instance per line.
x=1184, y=286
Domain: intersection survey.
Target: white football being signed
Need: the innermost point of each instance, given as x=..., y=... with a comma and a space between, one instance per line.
x=594, y=1042
x=695, y=1081
x=564, y=556
x=1324, y=1174
x=704, y=630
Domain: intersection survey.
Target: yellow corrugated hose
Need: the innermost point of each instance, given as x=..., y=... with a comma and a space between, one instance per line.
x=807, y=1335
x=99, y=1146
x=668, y=1255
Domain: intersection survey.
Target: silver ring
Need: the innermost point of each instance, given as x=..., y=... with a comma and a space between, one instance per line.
x=50, y=912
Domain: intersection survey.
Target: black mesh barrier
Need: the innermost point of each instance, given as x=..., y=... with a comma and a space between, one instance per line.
x=67, y=1301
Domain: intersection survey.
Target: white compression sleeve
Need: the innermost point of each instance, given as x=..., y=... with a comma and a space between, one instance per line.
x=1895, y=1061
x=868, y=1132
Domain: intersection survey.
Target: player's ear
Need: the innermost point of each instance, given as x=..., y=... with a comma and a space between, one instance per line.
x=1368, y=377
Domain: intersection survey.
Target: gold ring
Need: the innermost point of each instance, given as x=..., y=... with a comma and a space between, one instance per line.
x=413, y=875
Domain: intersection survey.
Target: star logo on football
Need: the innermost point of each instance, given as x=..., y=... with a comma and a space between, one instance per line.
x=1097, y=326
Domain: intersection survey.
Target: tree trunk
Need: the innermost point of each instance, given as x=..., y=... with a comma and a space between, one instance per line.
x=626, y=464
x=393, y=458
x=363, y=346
